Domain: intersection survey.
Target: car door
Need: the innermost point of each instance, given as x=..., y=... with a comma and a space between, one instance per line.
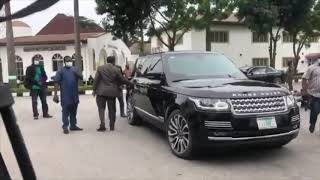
x=140, y=88
x=156, y=95
x=272, y=74
x=258, y=73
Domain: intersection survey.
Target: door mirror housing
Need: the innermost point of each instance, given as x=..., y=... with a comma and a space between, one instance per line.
x=156, y=76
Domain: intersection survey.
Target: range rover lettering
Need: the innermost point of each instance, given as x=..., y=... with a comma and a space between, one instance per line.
x=202, y=99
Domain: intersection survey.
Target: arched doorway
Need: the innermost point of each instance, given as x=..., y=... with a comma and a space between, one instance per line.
x=103, y=57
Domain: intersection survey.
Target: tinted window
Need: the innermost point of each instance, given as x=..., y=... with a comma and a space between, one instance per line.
x=155, y=66
x=271, y=70
x=258, y=71
x=197, y=66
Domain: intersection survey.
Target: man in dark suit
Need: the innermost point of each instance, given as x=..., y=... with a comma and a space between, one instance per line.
x=35, y=81
x=106, y=87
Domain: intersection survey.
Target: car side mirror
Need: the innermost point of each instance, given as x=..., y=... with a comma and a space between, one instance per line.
x=156, y=76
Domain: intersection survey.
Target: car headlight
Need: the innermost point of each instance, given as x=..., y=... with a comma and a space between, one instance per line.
x=211, y=104
x=291, y=101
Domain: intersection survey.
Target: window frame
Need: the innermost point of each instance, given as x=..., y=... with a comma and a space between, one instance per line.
x=215, y=37
x=259, y=61
x=259, y=39
x=57, y=61
x=20, y=68
x=287, y=37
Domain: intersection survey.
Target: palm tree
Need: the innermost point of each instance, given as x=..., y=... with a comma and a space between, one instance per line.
x=10, y=49
x=77, y=35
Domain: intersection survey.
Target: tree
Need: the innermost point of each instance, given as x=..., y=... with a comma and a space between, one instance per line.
x=78, y=57
x=210, y=10
x=263, y=17
x=172, y=18
x=126, y=19
x=11, y=57
x=299, y=21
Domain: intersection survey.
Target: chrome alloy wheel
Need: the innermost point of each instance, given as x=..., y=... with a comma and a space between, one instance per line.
x=130, y=110
x=179, y=134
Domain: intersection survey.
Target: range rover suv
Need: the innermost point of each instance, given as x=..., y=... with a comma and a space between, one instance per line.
x=202, y=99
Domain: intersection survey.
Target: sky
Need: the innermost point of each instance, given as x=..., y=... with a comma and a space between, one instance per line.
x=39, y=20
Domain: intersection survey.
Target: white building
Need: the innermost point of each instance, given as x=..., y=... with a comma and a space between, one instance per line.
x=51, y=48
x=239, y=43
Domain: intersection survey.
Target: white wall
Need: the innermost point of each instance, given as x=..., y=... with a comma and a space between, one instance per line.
x=240, y=47
x=22, y=31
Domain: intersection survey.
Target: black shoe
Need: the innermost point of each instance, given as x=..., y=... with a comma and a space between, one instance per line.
x=76, y=129
x=47, y=116
x=65, y=131
x=36, y=118
x=311, y=128
x=111, y=128
x=123, y=115
x=101, y=129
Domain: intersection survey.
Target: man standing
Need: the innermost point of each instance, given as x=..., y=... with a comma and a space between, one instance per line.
x=120, y=97
x=311, y=87
x=106, y=87
x=67, y=78
x=127, y=74
x=36, y=78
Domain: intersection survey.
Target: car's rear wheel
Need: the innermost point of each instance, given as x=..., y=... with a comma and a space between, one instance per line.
x=180, y=135
x=277, y=81
x=132, y=116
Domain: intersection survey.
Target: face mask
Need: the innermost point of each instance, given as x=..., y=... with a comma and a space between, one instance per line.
x=69, y=64
x=36, y=62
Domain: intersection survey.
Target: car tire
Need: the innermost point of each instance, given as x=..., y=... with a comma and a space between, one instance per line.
x=180, y=135
x=132, y=116
x=277, y=81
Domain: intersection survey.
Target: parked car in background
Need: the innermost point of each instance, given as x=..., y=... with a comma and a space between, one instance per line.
x=264, y=73
x=202, y=99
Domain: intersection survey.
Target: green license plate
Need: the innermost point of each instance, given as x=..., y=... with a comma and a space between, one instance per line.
x=266, y=123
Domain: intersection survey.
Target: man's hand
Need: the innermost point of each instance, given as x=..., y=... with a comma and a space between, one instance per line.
x=56, y=98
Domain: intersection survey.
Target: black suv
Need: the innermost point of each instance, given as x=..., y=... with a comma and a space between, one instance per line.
x=202, y=98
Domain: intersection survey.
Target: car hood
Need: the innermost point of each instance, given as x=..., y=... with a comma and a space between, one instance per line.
x=227, y=88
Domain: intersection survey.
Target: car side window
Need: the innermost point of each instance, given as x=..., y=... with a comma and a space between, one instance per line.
x=258, y=71
x=141, y=66
x=270, y=70
x=156, y=66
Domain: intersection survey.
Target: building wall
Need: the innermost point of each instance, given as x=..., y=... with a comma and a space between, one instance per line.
x=240, y=47
x=22, y=31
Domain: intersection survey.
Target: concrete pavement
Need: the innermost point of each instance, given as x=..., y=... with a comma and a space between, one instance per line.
x=142, y=153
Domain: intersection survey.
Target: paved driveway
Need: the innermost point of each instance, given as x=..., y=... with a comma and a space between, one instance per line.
x=142, y=153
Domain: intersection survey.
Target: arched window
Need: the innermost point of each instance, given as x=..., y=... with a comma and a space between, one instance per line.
x=57, y=62
x=39, y=58
x=74, y=61
x=20, y=70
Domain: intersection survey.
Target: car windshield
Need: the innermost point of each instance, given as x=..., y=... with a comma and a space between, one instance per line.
x=201, y=66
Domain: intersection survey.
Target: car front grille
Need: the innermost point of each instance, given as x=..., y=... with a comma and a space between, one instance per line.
x=263, y=105
x=218, y=124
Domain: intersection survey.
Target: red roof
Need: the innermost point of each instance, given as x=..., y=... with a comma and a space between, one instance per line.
x=50, y=39
x=63, y=24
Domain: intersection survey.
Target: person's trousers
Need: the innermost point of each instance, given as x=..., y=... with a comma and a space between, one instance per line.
x=315, y=110
x=69, y=115
x=42, y=93
x=101, y=103
x=121, y=103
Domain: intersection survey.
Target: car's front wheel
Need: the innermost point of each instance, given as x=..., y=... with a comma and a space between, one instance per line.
x=180, y=135
x=133, y=117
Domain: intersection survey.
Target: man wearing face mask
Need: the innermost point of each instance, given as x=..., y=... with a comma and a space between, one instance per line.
x=35, y=80
x=67, y=79
x=311, y=87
